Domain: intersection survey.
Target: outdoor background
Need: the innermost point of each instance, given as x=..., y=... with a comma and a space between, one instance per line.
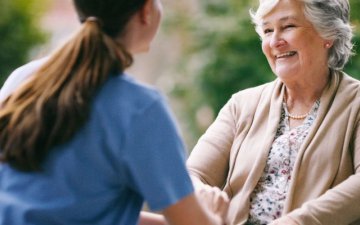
x=205, y=51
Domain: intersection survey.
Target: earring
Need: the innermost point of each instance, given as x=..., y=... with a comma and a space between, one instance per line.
x=327, y=45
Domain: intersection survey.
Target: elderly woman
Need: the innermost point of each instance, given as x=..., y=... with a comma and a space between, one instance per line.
x=288, y=152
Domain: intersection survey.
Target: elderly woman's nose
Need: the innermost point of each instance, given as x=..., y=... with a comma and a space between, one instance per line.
x=276, y=40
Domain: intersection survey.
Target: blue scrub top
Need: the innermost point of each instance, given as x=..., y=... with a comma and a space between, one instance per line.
x=127, y=153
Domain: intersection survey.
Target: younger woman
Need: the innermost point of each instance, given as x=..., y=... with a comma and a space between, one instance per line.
x=81, y=142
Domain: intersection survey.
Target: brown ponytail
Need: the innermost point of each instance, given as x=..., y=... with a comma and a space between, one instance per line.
x=54, y=104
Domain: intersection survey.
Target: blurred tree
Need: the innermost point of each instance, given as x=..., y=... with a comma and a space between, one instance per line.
x=224, y=57
x=19, y=32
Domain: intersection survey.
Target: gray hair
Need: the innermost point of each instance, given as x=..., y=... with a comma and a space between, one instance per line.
x=331, y=19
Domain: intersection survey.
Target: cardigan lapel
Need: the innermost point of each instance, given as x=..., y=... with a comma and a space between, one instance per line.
x=325, y=103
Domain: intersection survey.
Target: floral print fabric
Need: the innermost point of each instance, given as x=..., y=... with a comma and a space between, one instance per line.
x=268, y=197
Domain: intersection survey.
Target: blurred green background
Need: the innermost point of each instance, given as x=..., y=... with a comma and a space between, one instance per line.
x=19, y=32
x=220, y=53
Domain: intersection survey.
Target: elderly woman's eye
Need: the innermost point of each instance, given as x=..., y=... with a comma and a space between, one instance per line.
x=289, y=26
x=267, y=31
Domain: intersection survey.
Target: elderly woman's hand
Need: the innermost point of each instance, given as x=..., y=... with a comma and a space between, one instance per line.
x=213, y=199
x=285, y=220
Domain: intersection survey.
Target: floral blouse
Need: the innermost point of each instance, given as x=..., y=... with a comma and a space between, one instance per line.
x=268, y=197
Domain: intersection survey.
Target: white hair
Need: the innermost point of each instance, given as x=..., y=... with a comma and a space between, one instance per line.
x=331, y=19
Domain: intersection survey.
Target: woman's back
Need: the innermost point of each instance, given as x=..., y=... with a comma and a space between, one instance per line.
x=103, y=174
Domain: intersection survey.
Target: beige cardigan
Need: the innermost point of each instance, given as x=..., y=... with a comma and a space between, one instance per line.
x=325, y=185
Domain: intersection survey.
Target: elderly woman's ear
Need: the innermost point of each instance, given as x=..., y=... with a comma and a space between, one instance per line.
x=328, y=44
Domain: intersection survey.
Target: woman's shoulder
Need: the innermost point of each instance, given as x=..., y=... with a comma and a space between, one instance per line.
x=348, y=87
x=18, y=76
x=123, y=91
x=348, y=92
x=125, y=86
x=347, y=79
x=255, y=93
x=246, y=102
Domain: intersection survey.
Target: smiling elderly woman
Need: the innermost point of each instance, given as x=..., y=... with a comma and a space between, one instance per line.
x=288, y=152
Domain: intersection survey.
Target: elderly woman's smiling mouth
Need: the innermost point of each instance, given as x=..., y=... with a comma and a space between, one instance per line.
x=285, y=55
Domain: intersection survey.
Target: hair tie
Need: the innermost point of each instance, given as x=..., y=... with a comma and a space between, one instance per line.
x=94, y=19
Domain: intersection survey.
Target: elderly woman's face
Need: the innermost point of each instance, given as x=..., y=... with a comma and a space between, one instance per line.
x=291, y=44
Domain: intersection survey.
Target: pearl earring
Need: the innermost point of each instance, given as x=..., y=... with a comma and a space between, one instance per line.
x=327, y=45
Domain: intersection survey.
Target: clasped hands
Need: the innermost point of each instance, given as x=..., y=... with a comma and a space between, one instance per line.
x=213, y=200
x=216, y=201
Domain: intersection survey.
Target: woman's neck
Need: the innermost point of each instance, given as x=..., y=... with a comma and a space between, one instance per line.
x=300, y=97
x=307, y=92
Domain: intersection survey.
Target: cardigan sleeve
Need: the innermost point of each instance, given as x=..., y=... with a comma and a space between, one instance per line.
x=339, y=205
x=209, y=159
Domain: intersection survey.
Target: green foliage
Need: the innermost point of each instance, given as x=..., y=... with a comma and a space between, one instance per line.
x=225, y=56
x=353, y=67
x=354, y=12
x=19, y=32
x=236, y=63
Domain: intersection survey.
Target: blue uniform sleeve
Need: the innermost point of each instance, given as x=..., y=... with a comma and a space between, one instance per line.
x=156, y=157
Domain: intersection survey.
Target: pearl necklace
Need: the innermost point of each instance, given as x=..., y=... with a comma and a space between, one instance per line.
x=298, y=117
x=295, y=116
